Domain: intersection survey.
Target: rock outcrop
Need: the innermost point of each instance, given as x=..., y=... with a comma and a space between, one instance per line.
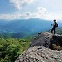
x=42, y=39
x=45, y=47
x=40, y=54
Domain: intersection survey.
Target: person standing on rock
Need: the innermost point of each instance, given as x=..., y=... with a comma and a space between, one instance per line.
x=55, y=25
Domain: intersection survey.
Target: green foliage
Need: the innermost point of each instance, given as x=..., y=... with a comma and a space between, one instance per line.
x=11, y=48
x=59, y=31
x=13, y=35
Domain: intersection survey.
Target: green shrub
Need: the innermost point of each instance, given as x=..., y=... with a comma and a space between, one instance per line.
x=11, y=48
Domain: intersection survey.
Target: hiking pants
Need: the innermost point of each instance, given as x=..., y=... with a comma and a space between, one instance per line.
x=53, y=29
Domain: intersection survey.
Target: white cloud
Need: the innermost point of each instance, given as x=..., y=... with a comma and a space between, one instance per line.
x=19, y=3
x=51, y=5
x=15, y=16
x=10, y=16
x=40, y=12
x=51, y=16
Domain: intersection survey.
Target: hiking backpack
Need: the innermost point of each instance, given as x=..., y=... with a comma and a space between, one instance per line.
x=56, y=25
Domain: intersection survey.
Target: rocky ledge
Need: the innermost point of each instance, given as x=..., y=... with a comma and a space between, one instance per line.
x=45, y=47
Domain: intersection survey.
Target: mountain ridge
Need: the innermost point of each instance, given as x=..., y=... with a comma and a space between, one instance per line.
x=26, y=25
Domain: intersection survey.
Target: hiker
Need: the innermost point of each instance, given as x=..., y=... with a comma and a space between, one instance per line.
x=55, y=25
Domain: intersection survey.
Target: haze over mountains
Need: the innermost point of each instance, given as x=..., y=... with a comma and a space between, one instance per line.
x=25, y=26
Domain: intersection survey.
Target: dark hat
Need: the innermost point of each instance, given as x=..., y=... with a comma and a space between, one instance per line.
x=54, y=20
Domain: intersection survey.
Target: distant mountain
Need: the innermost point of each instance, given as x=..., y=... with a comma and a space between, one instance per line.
x=3, y=22
x=25, y=25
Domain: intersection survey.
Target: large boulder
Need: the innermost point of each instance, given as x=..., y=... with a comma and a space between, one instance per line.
x=42, y=39
x=44, y=48
x=40, y=54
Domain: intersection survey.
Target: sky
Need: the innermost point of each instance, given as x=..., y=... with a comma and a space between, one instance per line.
x=25, y=9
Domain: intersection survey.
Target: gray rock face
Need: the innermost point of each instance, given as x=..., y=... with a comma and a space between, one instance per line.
x=40, y=54
x=42, y=39
x=40, y=51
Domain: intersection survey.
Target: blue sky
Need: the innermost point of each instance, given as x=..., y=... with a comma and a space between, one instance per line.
x=5, y=7
x=43, y=9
